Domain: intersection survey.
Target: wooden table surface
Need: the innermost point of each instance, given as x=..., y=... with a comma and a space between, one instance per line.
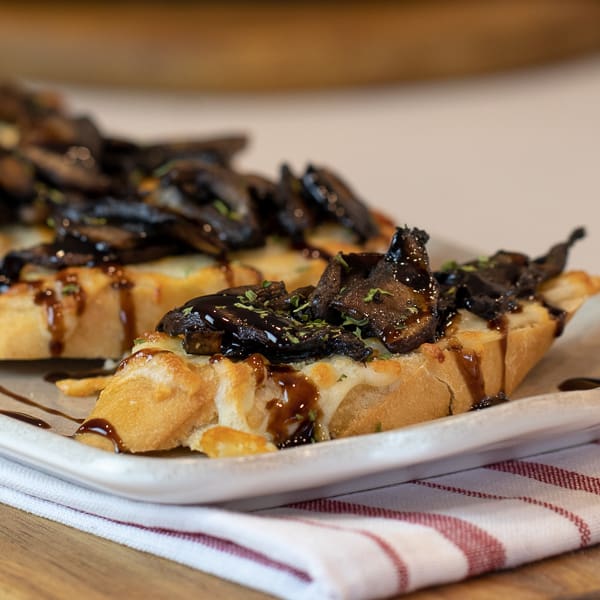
x=43, y=560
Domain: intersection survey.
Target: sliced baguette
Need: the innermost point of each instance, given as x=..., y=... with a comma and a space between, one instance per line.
x=93, y=312
x=162, y=398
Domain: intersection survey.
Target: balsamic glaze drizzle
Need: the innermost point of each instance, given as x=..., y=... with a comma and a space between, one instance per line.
x=33, y=403
x=30, y=419
x=579, y=383
x=105, y=429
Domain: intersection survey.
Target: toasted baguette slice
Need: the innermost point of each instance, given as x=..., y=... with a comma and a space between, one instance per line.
x=161, y=397
x=93, y=312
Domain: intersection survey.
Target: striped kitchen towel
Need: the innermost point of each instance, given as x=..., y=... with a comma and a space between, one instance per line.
x=369, y=544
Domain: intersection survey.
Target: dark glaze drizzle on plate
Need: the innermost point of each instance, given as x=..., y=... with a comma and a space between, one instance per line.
x=96, y=426
x=579, y=383
x=34, y=404
x=54, y=376
x=105, y=429
x=29, y=419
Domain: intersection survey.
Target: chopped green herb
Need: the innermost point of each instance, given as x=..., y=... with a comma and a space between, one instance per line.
x=413, y=310
x=56, y=196
x=292, y=337
x=250, y=295
x=244, y=304
x=95, y=220
x=70, y=289
x=312, y=415
x=352, y=321
x=163, y=169
x=187, y=310
x=374, y=293
x=342, y=377
x=138, y=341
x=340, y=259
x=468, y=268
x=449, y=265
x=266, y=284
x=224, y=210
x=301, y=307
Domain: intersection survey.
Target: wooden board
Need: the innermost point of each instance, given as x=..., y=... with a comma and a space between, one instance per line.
x=235, y=46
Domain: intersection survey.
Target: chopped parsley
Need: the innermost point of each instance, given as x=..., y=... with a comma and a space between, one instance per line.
x=375, y=293
x=70, y=289
x=340, y=259
x=250, y=295
x=292, y=338
x=164, y=169
x=352, y=321
x=449, y=265
x=223, y=209
x=301, y=307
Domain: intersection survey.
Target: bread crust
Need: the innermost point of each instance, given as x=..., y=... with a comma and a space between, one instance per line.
x=225, y=408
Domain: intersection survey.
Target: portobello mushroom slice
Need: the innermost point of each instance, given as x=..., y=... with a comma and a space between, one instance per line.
x=239, y=322
x=215, y=198
x=335, y=197
x=392, y=297
x=491, y=286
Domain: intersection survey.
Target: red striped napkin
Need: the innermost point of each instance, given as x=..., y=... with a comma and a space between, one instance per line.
x=364, y=545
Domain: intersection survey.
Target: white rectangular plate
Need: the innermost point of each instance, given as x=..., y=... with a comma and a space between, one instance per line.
x=543, y=421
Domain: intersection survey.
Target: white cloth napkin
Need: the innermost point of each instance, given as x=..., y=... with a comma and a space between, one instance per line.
x=363, y=545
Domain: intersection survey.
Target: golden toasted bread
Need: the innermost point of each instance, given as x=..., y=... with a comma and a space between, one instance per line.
x=101, y=236
x=97, y=312
x=162, y=397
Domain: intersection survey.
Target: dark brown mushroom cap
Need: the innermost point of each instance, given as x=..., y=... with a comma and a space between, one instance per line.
x=294, y=214
x=67, y=172
x=491, y=286
x=358, y=296
x=126, y=161
x=218, y=200
x=392, y=297
x=334, y=196
x=240, y=322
